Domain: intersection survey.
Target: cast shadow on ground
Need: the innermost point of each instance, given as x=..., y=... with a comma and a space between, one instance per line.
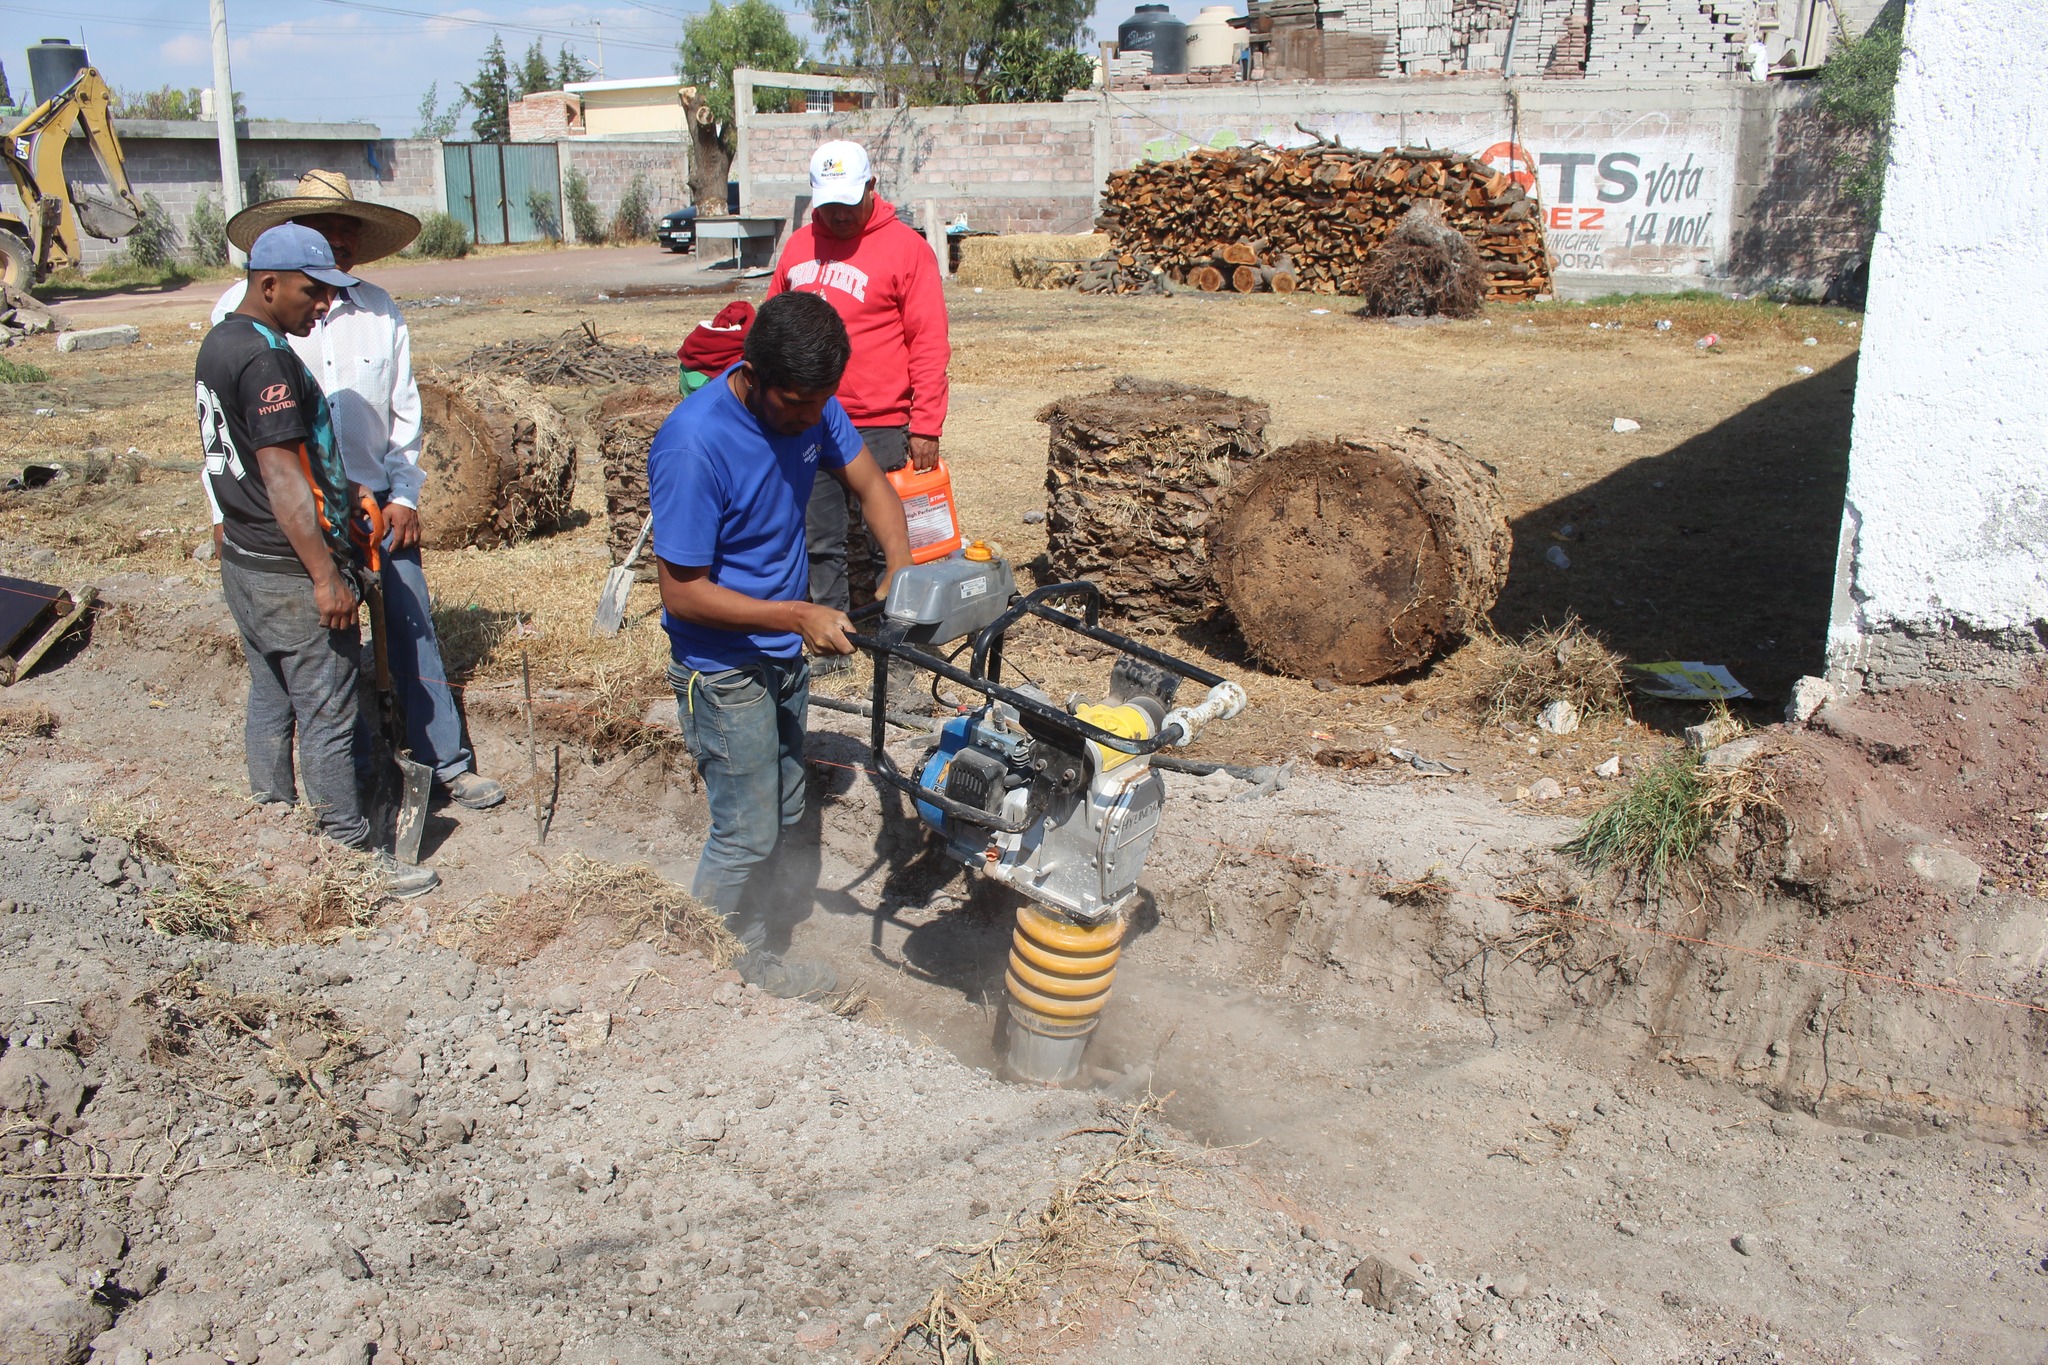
x=1722, y=549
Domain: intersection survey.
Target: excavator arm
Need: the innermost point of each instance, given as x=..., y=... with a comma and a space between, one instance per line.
x=54, y=212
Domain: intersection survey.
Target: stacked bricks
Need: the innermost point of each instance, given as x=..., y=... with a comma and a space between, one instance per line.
x=1664, y=39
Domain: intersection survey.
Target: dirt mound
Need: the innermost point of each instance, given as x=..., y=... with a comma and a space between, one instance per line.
x=576, y=357
x=1912, y=797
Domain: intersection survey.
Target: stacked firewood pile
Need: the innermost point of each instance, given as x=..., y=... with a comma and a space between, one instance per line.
x=1315, y=214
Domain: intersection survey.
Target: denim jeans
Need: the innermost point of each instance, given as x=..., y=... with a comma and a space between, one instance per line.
x=745, y=728
x=433, y=727
x=302, y=678
x=831, y=514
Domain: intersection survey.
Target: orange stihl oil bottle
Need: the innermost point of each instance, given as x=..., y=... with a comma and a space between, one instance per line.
x=928, y=508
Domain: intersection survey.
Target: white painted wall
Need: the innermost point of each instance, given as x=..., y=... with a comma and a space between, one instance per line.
x=1946, y=528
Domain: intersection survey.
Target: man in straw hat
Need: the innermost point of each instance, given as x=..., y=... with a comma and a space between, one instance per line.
x=361, y=354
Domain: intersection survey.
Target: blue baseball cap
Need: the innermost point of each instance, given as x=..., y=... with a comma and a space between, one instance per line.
x=294, y=246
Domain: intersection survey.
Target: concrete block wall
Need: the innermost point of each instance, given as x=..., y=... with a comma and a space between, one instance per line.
x=609, y=167
x=1645, y=185
x=1009, y=167
x=179, y=162
x=1944, y=553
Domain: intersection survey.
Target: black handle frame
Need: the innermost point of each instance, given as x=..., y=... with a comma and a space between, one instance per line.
x=985, y=676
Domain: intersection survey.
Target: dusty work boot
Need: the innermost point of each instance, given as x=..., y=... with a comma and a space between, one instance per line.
x=474, y=792
x=403, y=880
x=800, y=978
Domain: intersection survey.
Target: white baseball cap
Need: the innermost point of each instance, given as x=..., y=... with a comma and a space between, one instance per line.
x=839, y=173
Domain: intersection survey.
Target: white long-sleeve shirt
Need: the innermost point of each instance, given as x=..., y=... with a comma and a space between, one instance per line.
x=361, y=354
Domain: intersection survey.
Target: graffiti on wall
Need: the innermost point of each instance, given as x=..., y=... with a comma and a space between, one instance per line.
x=1639, y=207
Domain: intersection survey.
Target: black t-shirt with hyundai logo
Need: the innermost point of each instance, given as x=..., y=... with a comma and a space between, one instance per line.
x=254, y=392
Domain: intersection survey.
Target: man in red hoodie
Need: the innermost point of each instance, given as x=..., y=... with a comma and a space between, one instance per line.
x=882, y=279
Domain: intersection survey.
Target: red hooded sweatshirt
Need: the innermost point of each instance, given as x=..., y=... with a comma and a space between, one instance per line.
x=885, y=286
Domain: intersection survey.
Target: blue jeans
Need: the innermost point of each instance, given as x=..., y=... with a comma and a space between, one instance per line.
x=745, y=728
x=433, y=727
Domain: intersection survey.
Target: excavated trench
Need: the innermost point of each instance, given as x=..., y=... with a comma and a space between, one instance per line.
x=1459, y=1069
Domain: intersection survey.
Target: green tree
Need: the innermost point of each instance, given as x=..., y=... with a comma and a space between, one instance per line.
x=436, y=122
x=1857, y=83
x=751, y=33
x=490, y=94
x=535, y=75
x=947, y=51
x=570, y=68
x=1026, y=66
x=167, y=102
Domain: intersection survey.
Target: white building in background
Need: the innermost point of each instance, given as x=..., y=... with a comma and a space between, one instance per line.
x=1944, y=555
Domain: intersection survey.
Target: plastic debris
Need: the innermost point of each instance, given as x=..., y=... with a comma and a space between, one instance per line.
x=1429, y=767
x=1663, y=324
x=1557, y=558
x=1709, y=341
x=1687, y=681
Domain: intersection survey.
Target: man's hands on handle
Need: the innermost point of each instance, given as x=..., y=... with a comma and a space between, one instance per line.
x=291, y=502
x=690, y=595
x=924, y=452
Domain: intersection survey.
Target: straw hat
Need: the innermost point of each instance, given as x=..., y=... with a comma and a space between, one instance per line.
x=385, y=230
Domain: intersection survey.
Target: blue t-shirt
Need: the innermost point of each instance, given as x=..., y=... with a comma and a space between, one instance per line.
x=730, y=494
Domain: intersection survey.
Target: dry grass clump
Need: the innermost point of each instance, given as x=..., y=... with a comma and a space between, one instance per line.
x=1430, y=891
x=341, y=893
x=642, y=905
x=30, y=721
x=1109, y=1222
x=1022, y=260
x=1557, y=663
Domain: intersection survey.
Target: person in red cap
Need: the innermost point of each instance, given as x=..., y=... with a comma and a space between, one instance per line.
x=713, y=347
x=880, y=276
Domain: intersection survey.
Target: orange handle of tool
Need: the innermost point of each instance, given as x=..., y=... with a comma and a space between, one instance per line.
x=370, y=541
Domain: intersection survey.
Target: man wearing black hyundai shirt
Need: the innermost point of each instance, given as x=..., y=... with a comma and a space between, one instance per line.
x=274, y=474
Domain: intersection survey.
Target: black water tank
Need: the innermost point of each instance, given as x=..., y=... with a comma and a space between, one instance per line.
x=1153, y=29
x=52, y=65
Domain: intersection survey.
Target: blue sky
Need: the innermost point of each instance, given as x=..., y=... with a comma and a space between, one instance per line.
x=331, y=60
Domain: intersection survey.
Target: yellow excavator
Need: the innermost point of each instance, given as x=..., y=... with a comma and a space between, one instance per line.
x=44, y=236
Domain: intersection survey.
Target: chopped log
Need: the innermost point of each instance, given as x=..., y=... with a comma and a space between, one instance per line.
x=1246, y=279
x=500, y=462
x=1240, y=253
x=1206, y=278
x=1357, y=559
x=1283, y=282
x=626, y=423
x=1132, y=478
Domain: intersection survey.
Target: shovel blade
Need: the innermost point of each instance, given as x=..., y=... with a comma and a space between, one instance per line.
x=418, y=783
x=611, y=603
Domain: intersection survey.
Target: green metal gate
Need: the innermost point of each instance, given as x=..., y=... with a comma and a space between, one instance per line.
x=491, y=185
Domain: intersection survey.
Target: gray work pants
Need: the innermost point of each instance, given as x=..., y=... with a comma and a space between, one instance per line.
x=302, y=680
x=831, y=514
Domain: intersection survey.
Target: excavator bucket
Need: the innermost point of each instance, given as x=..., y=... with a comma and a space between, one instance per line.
x=101, y=214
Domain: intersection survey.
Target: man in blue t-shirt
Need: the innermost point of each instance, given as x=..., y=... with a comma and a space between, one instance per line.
x=728, y=478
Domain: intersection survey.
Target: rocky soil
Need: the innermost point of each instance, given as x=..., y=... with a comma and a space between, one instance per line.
x=1391, y=1125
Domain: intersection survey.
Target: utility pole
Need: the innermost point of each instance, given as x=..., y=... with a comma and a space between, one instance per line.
x=224, y=120
x=596, y=26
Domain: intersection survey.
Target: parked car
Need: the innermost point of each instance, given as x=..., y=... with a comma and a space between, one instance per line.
x=678, y=230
